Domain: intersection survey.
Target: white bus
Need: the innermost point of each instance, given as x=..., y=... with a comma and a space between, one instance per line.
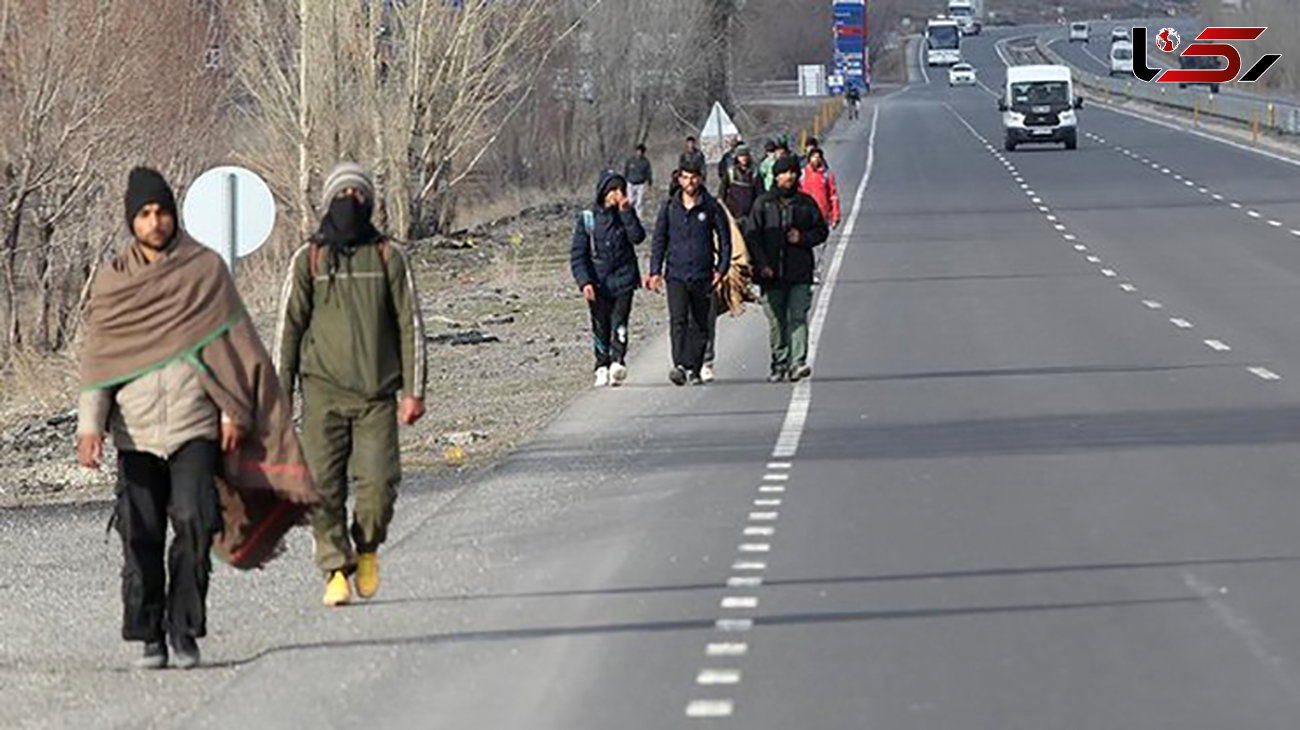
x=942, y=42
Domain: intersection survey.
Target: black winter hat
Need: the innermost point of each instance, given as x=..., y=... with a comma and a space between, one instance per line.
x=786, y=164
x=145, y=186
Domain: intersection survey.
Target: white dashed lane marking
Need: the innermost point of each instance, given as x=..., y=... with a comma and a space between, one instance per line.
x=771, y=489
x=734, y=624
x=1218, y=346
x=1181, y=324
x=710, y=708
x=718, y=676
x=1128, y=288
x=739, y=602
x=763, y=516
x=755, y=547
x=748, y=565
x=727, y=648
x=1152, y=304
x=1265, y=374
x=744, y=581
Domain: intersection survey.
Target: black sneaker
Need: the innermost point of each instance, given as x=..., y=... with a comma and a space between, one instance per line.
x=154, y=656
x=778, y=376
x=678, y=376
x=693, y=378
x=801, y=372
x=187, y=652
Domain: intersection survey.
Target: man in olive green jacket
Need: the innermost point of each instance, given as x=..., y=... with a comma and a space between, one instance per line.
x=352, y=335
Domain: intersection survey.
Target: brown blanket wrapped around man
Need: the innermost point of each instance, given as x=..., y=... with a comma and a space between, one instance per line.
x=142, y=316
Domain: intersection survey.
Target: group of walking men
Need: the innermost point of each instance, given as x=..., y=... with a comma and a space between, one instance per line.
x=781, y=209
x=201, y=414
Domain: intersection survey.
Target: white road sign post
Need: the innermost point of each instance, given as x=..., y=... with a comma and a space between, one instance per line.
x=231, y=211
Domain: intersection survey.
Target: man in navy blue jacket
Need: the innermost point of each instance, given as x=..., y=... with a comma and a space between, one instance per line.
x=684, y=244
x=604, y=264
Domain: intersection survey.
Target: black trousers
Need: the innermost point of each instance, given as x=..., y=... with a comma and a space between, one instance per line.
x=711, y=350
x=151, y=490
x=689, y=317
x=609, y=321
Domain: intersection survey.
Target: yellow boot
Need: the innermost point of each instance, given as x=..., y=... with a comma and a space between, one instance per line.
x=367, y=575
x=338, y=592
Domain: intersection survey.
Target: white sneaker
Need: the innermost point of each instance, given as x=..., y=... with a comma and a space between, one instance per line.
x=617, y=374
x=706, y=373
x=602, y=377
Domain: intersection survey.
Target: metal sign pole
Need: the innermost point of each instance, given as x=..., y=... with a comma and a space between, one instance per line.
x=232, y=221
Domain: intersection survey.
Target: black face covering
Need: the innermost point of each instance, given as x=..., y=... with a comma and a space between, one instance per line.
x=346, y=226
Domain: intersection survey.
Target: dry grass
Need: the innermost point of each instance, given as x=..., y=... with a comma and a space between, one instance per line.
x=37, y=385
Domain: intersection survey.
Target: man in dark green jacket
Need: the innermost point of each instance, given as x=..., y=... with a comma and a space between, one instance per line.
x=352, y=335
x=783, y=228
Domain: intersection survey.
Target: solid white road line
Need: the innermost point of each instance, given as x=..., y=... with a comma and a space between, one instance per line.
x=801, y=399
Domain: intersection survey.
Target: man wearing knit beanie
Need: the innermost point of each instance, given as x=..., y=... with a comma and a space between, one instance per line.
x=352, y=337
x=784, y=228
x=164, y=369
x=150, y=198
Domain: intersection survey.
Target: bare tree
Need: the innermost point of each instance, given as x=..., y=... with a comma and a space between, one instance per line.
x=59, y=76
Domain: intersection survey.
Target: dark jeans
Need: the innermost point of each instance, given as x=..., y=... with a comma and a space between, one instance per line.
x=689, y=308
x=151, y=490
x=710, y=350
x=609, y=319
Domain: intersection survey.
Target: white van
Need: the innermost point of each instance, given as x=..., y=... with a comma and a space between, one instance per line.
x=1078, y=32
x=1121, y=58
x=1039, y=105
